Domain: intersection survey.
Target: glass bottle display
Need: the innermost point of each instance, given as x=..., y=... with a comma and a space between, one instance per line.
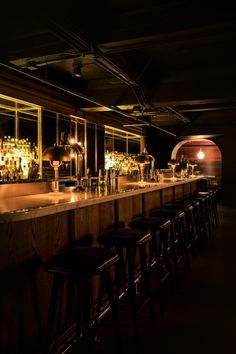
x=18, y=160
x=123, y=163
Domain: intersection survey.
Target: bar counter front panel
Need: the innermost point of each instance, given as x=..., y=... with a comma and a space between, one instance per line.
x=35, y=227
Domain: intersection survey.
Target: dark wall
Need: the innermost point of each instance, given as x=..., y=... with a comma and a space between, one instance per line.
x=91, y=147
x=160, y=147
x=101, y=149
x=227, y=145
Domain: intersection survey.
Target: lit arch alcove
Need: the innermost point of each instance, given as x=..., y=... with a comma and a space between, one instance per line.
x=210, y=165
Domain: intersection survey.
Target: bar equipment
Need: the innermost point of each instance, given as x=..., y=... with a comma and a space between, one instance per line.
x=192, y=165
x=172, y=164
x=56, y=155
x=142, y=160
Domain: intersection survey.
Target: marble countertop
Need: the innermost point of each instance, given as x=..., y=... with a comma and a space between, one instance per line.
x=37, y=205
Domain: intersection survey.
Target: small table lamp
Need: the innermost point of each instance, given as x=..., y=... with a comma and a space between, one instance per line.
x=56, y=155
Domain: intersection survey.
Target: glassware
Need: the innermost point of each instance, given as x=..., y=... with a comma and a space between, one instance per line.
x=172, y=165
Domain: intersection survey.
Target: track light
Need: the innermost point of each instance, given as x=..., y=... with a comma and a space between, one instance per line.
x=77, y=70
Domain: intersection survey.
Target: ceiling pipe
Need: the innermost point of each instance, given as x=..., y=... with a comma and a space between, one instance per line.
x=76, y=94
x=179, y=116
x=78, y=42
x=150, y=125
x=83, y=45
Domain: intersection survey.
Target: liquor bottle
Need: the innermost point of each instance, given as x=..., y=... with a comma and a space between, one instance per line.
x=25, y=169
x=20, y=170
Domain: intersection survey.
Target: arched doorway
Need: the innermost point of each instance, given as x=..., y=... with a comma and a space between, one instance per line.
x=210, y=165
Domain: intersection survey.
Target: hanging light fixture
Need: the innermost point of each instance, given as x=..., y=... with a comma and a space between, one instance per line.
x=77, y=69
x=200, y=154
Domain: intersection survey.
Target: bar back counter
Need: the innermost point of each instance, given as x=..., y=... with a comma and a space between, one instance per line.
x=36, y=226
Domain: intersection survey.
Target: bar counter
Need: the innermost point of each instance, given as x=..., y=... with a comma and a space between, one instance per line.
x=35, y=227
x=36, y=205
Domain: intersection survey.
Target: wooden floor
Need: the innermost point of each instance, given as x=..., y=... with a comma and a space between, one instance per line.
x=199, y=317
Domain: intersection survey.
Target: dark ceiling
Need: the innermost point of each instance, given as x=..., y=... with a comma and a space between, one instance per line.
x=167, y=64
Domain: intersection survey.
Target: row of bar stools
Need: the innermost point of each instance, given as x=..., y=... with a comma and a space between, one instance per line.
x=211, y=195
x=204, y=217
x=190, y=227
x=131, y=246
x=80, y=264
x=197, y=227
x=179, y=232
x=161, y=250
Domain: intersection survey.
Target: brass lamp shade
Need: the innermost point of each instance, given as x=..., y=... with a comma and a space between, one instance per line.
x=56, y=153
x=142, y=159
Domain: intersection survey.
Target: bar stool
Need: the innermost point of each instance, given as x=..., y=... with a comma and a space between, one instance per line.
x=126, y=242
x=179, y=233
x=215, y=196
x=162, y=247
x=206, y=211
x=81, y=264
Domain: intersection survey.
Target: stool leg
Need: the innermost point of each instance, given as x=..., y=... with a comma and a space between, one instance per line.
x=179, y=229
x=83, y=313
x=204, y=220
x=109, y=288
x=131, y=281
x=114, y=309
x=184, y=232
x=173, y=249
x=198, y=225
x=145, y=273
x=99, y=300
x=208, y=215
x=120, y=272
x=192, y=233
x=164, y=234
x=189, y=234
x=106, y=283
x=215, y=209
x=69, y=305
x=53, y=306
x=158, y=273
x=35, y=300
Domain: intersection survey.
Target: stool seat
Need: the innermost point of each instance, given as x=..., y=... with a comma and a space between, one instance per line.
x=181, y=205
x=167, y=213
x=149, y=222
x=204, y=192
x=86, y=260
x=123, y=237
